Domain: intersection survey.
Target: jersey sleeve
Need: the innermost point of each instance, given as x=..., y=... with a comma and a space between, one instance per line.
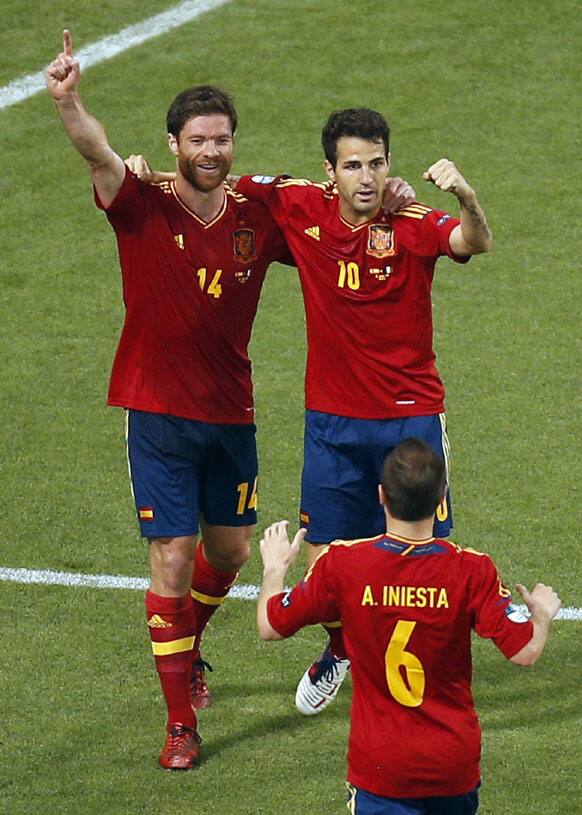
x=494, y=615
x=313, y=600
x=431, y=239
x=127, y=210
x=264, y=189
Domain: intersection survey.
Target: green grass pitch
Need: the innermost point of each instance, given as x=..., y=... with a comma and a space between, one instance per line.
x=489, y=85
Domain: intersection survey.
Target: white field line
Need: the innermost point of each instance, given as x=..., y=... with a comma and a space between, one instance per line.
x=243, y=591
x=109, y=47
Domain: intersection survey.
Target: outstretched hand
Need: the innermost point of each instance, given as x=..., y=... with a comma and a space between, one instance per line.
x=542, y=600
x=445, y=175
x=63, y=73
x=277, y=552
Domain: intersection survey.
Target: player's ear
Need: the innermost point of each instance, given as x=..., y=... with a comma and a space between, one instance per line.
x=381, y=495
x=329, y=169
x=388, y=160
x=173, y=143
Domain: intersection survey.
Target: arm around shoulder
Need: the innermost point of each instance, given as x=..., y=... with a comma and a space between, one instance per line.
x=544, y=604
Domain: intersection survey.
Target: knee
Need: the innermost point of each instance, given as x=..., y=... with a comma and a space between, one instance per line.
x=172, y=565
x=228, y=553
x=232, y=560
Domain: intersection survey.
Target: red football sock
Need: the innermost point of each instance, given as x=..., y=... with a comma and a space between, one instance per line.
x=172, y=627
x=336, y=641
x=209, y=589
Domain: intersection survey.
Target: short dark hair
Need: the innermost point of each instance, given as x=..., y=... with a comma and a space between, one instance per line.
x=360, y=122
x=200, y=100
x=414, y=480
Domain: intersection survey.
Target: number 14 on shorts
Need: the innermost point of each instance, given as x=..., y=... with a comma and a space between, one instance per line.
x=246, y=500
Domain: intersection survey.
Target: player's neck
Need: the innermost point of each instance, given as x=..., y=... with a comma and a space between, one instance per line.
x=353, y=217
x=205, y=204
x=412, y=530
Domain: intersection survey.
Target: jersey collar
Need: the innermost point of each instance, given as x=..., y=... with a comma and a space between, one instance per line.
x=205, y=224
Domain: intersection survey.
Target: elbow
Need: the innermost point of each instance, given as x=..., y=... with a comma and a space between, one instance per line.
x=266, y=631
x=483, y=246
x=487, y=243
x=523, y=663
x=526, y=657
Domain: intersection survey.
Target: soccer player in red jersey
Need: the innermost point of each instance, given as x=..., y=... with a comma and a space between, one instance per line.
x=408, y=603
x=371, y=378
x=193, y=257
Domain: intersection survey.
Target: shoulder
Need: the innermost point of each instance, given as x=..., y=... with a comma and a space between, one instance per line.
x=300, y=186
x=466, y=553
x=414, y=212
x=248, y=211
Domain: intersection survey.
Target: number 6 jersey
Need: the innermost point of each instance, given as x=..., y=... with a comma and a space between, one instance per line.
x=408, y=610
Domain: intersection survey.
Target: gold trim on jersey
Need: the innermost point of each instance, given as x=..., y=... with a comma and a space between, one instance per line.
x=357, y=227
x=205, y=224
x=417, y=211
x=238, y=196
x=164, y=186
x=340, y=542
x=300, y=182
x=409, y=541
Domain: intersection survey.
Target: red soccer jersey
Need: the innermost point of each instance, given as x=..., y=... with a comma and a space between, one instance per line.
x=367, y=293
x=407, y=611
x=191, y=291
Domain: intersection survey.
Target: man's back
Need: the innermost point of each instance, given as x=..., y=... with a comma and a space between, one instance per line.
x=407, y=610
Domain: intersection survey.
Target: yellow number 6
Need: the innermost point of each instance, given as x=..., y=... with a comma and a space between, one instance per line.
x=411, y=692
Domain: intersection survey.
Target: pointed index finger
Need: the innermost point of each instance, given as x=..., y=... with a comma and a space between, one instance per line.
x=67, y=43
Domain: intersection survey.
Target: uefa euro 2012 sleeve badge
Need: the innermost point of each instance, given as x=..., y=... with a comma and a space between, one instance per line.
x=244, y=245
x=380, y=241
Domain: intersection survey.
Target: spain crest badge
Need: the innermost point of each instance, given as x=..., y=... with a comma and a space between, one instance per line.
x=244, y=245
x=380, y=241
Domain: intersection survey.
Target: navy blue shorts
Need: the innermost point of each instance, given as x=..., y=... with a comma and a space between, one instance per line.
x=180, y=468
x=361, y=802
x=342, y=466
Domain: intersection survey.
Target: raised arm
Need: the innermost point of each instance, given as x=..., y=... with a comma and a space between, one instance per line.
x=543, y=604
x=86, y=133
x=473, y=235
x=278, y=554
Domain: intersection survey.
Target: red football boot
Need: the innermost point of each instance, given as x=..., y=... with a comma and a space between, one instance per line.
x=181, y=749
x=199, y=691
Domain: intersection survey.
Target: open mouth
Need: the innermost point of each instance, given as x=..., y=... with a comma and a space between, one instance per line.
x=208, y=168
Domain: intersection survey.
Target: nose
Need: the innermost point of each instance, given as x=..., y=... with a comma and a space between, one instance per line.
x=366, y=175
x=211, y=148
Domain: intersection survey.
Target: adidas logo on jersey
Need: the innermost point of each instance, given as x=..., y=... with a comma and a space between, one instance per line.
x=155, y=621
x=313, y=232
